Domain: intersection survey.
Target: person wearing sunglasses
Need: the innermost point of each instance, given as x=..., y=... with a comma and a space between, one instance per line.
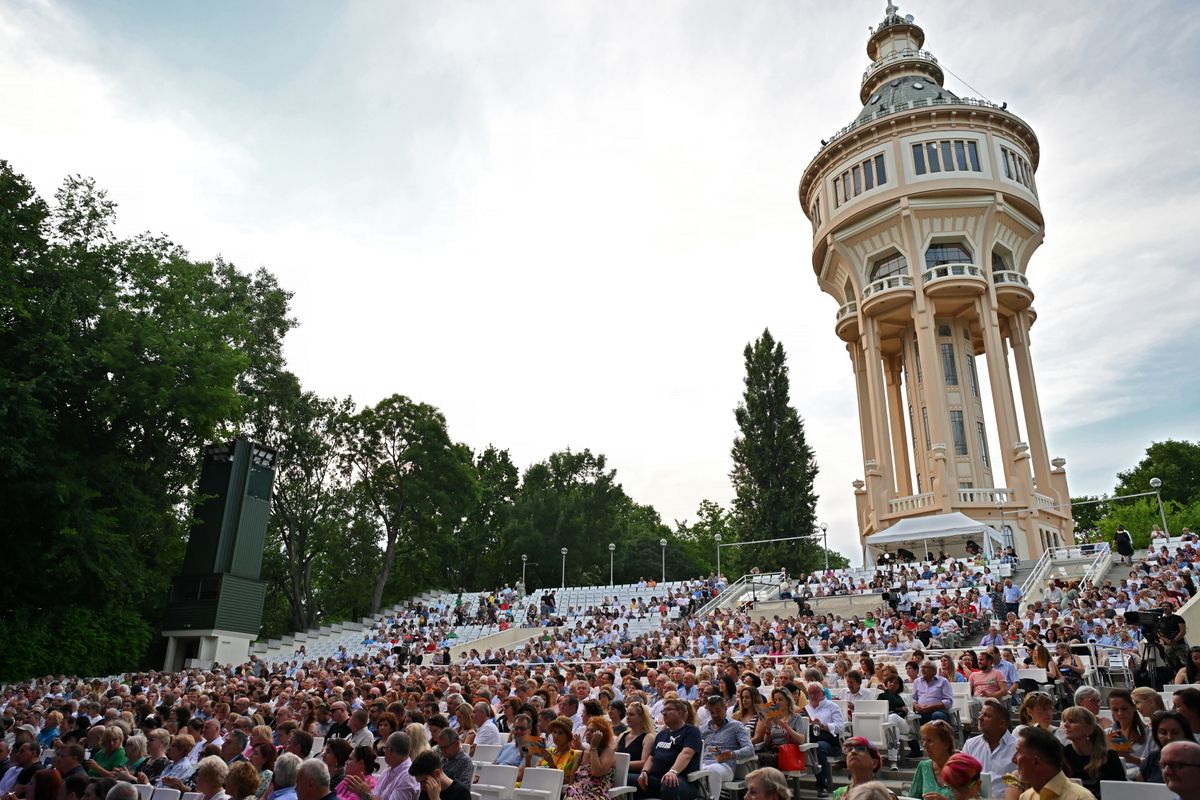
x=862, y=762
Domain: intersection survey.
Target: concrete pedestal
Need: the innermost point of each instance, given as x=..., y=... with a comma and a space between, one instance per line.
x=215, y=646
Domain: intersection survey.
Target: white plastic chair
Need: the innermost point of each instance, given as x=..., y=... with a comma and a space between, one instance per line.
x=193, y=796
x=1126, y=790
x=540, y=783
x=496, y=781
x=486, y=753
x=620, y=778
x=165, y=794
x=144, y=790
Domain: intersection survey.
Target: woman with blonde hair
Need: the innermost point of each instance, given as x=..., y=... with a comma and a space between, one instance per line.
x=466, y=725
x=779, y=727
x=767, y=783
x=1087, y=755
x=638, y=739
x=110, y=756
x=937, y=740
x=420, y=742
x=1148, y=702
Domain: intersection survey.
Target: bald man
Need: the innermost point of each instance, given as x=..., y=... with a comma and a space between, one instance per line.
x=1180, y=763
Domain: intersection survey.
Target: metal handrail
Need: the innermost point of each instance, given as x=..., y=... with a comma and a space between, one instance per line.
x=899, y=55
x=751, y=582
x=888, y=110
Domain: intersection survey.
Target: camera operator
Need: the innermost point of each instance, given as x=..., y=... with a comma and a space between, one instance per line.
x=1172, y=635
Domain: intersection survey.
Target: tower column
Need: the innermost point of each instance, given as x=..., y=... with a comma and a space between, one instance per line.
x=1019, y=335
x=934, y=397
x=1002, y=397
x=899, y=436
x=864, y=402
x=878, y=399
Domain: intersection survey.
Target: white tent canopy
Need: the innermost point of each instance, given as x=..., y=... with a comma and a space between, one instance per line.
x=922, y=535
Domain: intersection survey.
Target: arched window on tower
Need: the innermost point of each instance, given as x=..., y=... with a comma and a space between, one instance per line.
x=946, y=253
x=999, y=262
x=848, y=290
x=889, y=265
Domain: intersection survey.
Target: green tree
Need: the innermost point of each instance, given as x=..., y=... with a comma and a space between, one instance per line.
x=474, y=553
x=311, y=503
x=410, y=476
x=1088, y=515
x=119, y=360
x=773, y=466
x=1176, y=463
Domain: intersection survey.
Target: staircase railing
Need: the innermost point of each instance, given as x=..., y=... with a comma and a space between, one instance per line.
x=1100, y=564
x=754, y=585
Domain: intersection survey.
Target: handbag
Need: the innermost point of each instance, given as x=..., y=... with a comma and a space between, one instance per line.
x=791, y=758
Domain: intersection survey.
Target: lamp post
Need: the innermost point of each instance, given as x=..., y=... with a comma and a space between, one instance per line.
x=663, y=544
x=524, y=559
x=1156, y=485
x=717, y=537
x=611, y=547
x=825, y=537
x=564, y=574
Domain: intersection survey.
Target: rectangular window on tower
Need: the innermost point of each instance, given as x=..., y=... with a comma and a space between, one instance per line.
x=925, y=421
x=919, y=158
x=983, y=448
x=917, y=358
x=973, y=375
x=959, y=431
x=949, y=368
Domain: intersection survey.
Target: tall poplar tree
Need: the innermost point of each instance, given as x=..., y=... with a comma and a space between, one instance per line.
x=773, y=466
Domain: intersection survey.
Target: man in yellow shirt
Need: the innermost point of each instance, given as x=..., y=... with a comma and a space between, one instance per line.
x=1039, y=761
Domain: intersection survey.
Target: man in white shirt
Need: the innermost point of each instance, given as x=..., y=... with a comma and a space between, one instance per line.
x=994, y=748
x=486, y=731
x=825, y=728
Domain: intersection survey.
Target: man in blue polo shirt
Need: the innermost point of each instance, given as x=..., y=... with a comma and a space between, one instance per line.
x=675, y=754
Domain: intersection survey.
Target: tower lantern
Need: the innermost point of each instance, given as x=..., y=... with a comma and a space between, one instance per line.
x=925, y=215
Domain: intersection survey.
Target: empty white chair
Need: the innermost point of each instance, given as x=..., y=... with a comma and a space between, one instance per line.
x=165, y=794
x=620, y=777
x=1126, y=790
x=540, y=783
x=193, y=796
x=486, y=753
x=144, y=790
x=496, y=781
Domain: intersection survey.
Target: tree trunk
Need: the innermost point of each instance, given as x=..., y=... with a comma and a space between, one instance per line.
x=389, y=556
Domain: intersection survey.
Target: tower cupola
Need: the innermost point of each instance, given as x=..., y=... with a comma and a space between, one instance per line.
x=895, y=50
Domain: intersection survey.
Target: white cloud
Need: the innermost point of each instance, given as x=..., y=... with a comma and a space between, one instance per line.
x=561, y=222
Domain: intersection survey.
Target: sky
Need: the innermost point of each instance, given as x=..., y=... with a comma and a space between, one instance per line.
x=561, y=222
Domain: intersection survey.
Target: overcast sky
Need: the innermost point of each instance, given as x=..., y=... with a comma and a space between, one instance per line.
x=561, y=222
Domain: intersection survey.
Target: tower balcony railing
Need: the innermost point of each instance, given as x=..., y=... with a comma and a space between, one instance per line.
x=899, y=55
x=914, y=104
x=846, y=310
x=947, y=271
x=915, y=502
x=1010, y=276
x=1042, y=501
x=886, y=284
x=984, y=497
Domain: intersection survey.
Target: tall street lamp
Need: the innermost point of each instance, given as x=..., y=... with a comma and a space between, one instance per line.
x=825, y=537
x=1156, y=485
x=611, y=547
x=524, y=559
x=717, y=537
x=564, y=577
x=663, y=544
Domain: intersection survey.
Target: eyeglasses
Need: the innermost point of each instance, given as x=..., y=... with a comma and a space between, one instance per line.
x=1177, y=765
x=858, y=748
